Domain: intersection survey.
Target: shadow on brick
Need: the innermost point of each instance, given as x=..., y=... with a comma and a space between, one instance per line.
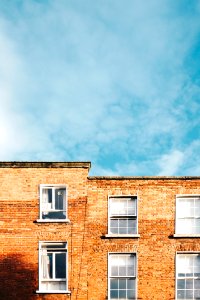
x=16, y=279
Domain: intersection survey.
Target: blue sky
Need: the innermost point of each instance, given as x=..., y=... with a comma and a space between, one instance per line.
x=113, y=82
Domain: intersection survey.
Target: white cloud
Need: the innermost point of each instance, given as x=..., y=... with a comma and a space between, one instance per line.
x=185, y=162
x=170, y=163
x=98, y=80
x=191, y=159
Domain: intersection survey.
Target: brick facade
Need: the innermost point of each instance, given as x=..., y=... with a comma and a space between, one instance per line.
x=86, y=233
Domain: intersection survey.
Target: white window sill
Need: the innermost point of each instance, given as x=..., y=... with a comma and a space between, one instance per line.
x=52, y=221
x=122, y=236
x=53, y=292
x=186, y=235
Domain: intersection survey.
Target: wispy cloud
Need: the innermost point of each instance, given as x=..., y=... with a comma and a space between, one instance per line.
x=107, y=82
x=170, y=163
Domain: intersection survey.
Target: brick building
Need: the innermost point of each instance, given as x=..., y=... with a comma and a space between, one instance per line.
x=67, y=235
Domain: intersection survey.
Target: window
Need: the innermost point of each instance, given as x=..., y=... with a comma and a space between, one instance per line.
x=188, y=214
x=53, y=267
x=52, y=202
x=122, y=215
x=122, y=276
x=188, y=276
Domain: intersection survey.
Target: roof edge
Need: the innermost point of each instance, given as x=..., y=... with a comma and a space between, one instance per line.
x=143, y=177
x=44, y=164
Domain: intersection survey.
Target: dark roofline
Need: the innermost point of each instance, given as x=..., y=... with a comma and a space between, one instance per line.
x=86, y=165
x=44, y=164
x=143, y=177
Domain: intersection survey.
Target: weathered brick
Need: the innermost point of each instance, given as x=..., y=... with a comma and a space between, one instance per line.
x=85, y=234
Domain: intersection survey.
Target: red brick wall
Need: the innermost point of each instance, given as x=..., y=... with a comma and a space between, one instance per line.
x=20, y=234
x=87, y=246
x=156, y=248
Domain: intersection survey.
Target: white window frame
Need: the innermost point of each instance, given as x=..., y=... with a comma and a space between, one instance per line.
x=53, y=187
x=194, y=253
x=134, y=217
x=41, y=279
x=133, y=277
x=182, y=196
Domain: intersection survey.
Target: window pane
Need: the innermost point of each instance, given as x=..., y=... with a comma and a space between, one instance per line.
x=116, y=206
x=53, y=285
x=181, y=265
x=189, y=284
x=197, y=260
x=122, y=265
x=188, y=265
x=113, y=284
x=196, y=226
x=181, y=294
x=49, y=265
x=185, y=226
x=181, y=283
x=122, y=294
x=197, y=284
x=114, y=271
x=181, y=227
x=114, y=294
x=197, y=294
x=122, y=284
x=46, y=263
x=123, y=206
x=54, y=246
x=62, y=285
x=60, y=267
x=123, y=203
x=197, y=212
x=196, y=272
x=47, y=199
x=114, y=230
x=132, y=227
x=114, y=222
x=123, y=230
x=59, y=198
x=123, y=226
x=197, y=207
x=54, y=215
x=188, y=212
x=114, y=259
x=131, y=265
x=122, y=271
x=114, y=226
x=130, y=271
x=132, y=207
x=120, y=209
x=123, y=223
x=185, y=207
x=53, y=266
x=53, y=202
x=131, y=223
x=189, y=294
x=131, y=294
x=131, y=284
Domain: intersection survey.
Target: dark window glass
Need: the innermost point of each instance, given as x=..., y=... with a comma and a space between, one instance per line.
x=60, y=268
x=59, y=198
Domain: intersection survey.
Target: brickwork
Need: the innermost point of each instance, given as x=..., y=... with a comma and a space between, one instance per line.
x=20, y=232
x=156, y=247
x=88, y=245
